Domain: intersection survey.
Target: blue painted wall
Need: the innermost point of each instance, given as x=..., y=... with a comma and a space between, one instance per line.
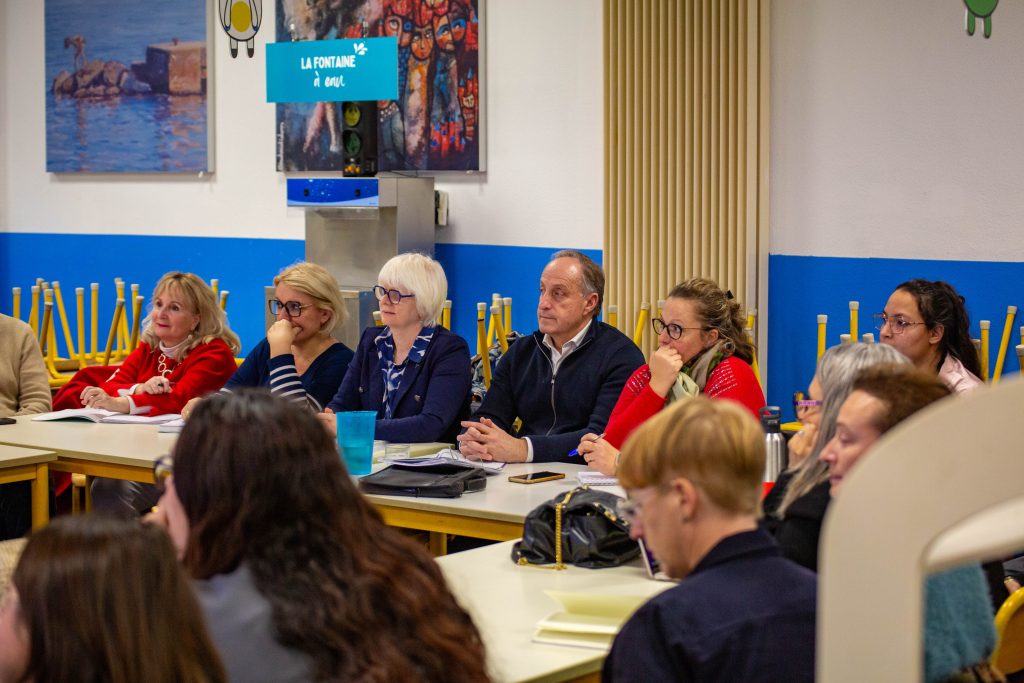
x=476, y=271
x=244, y=267
x=801, y=287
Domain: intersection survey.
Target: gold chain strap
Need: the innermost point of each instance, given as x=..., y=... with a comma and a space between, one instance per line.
x=559, y=565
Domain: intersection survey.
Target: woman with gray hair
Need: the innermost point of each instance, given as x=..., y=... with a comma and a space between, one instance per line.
x=795, y=507
x=412, y=371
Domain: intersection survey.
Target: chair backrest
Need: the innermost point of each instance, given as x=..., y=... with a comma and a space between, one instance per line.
x=1009, y=653
x=900, y=517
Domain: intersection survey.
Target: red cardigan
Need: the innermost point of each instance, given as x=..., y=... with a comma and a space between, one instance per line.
x=732, y=379
x=205, y=369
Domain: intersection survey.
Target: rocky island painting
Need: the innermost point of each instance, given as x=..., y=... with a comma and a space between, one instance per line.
x=126, y=86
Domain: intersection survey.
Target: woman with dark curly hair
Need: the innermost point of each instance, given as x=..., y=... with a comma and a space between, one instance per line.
x=927, y=322
x=99, y=599
x=299, y=577
x=702, y=349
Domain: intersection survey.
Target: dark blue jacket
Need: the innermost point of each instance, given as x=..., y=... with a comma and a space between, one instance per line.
x=320, y=380
x=433, y=396
x=557, y=411
x=744, y=613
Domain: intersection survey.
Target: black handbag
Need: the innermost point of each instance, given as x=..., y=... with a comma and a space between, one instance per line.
x=591, y=532
x=431, y=481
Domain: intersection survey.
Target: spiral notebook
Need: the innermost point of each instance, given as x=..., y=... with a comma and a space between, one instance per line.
x=592, y=478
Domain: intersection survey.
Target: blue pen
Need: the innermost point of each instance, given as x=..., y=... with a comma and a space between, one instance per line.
x=575, y=453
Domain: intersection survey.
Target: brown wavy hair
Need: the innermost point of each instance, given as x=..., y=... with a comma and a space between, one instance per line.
x=105, y=600
x=719, y=311
x=261, y=483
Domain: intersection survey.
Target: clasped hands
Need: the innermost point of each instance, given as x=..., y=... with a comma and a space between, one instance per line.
x=485, y=440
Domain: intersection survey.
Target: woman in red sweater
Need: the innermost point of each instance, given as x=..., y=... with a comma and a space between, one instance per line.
x=186, y=350
x=702, y=349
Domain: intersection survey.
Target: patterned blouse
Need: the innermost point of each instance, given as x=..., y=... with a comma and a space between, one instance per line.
x=392, y=372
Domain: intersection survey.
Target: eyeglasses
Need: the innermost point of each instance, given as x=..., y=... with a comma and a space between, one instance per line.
x=803, y=405
x=393, y=295
x=674, y=331
x=163, y=467
x=627, y=509
x=292, y=309
x=896, y=325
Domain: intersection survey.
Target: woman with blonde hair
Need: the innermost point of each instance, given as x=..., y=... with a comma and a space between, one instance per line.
x=744, y=613
x=298, y=359
x=412, y=371
x=100, y=600
x=702, y=349
x=186, y=350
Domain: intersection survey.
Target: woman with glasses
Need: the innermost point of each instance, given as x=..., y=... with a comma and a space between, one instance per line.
x=795, y=507
x=96, y=598
x=299, y=359
x=702, y=349
x=412, y=371
x=299, y=578
x=743, y=613
x=928, y=323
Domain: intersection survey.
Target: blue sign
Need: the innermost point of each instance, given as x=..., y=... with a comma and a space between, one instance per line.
x=333, y=70
x=333, y=192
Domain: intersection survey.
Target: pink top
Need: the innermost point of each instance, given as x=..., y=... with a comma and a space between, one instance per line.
x=959, y=379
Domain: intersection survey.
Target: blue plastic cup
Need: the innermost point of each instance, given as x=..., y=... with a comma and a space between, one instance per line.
x=355, y=440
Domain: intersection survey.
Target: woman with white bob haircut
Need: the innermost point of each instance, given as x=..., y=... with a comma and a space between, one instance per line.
x=412, y=371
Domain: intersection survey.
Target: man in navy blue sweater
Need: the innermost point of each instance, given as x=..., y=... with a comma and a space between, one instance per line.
x=563, y=380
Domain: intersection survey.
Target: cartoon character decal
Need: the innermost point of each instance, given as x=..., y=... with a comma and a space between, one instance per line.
x=240, y=19
x=980, y=9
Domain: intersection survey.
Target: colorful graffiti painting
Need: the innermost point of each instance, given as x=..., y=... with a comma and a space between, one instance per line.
x=434, y=125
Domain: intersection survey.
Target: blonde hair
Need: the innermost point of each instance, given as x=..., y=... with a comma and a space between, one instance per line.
x=422, y=276
x=715, y=444
x=200, y=299
x=314, y=280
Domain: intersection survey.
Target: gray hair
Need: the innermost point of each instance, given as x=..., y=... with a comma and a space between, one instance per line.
x=591, y=275
x=837, y=370
x=421, y=275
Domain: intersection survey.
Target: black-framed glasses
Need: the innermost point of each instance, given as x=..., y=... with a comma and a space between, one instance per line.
x=674, y=331
x=897, y=325
x=163, y=467
x=393, y=295
x=292, y=309
x=803, y=405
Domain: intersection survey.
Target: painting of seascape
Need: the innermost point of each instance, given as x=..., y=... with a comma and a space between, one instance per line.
x=126, y=86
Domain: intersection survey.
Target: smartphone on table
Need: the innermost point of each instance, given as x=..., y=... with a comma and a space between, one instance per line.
x=536, y=477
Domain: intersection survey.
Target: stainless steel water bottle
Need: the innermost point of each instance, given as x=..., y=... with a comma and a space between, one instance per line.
x=774, y=443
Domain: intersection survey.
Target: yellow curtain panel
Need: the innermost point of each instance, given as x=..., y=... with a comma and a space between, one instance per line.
x=686, y=150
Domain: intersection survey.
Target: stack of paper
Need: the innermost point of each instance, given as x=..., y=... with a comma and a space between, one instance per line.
x=588, y=620
x=449, y=456
x=593, y=478
x=104, y=416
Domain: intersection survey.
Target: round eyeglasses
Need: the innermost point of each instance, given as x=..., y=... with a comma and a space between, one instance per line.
x=674, y=331
x=896, y=325
x=393, y=295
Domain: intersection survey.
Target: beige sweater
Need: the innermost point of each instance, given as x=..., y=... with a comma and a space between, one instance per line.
x=24, y=383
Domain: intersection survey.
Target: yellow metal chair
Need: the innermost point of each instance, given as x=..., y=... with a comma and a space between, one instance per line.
x=1004, y=343
x=613, y=315
x=641, y=322
x=1008, y=656
x=446, y=315
x=983, y=349
x=822, y=327
x=481, y=338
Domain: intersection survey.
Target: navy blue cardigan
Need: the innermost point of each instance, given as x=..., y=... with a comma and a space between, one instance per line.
x=557, y=411
x=320, y=380
x=432, y=398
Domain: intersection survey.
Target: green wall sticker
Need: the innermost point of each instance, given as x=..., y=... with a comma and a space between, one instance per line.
x=980, y=9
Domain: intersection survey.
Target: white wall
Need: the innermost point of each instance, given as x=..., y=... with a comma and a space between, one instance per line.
x=893, y=133
x=543, y=185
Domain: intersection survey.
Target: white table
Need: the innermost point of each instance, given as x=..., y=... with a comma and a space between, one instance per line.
x=496, y=513
x=29, y=464
x=506, y=601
